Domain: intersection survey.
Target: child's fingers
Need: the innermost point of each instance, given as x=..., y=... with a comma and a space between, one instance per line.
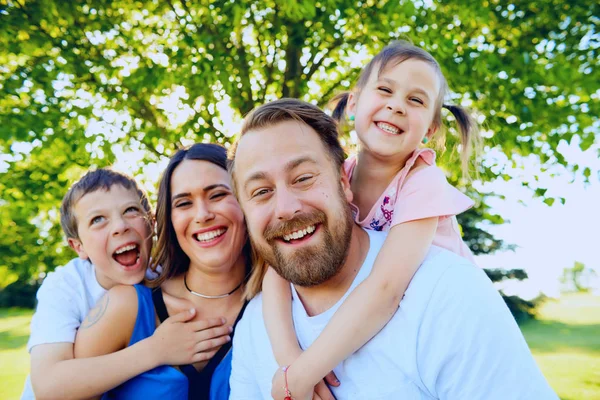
x=332, y=379
x=323, y=391
x=182, y=316
x=206, y=324
x=203, y=356
x=212, y=344
x=212, y=333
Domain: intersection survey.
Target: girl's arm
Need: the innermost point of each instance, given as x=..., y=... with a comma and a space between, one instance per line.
x=277, y=311
x=367, y=309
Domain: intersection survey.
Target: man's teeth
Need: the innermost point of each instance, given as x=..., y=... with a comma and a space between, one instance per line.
x=299, y=234
x=206, y=236
x=126, y=248
x=388, y=128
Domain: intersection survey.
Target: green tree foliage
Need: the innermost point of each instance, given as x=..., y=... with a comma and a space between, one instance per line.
x=84, y=82
x=579, y=278
x=521, y=309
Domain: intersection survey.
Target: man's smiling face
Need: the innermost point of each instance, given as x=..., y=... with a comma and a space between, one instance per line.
x=295, y=201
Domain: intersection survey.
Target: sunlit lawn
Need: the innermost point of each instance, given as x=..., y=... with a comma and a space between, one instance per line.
x=565, y=341
x=14, y=360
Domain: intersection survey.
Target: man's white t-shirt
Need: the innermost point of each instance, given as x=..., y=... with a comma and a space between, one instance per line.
x=63, y=301
x=452, y=338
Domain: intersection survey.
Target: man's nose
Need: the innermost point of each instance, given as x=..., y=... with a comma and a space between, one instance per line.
x=287, y=204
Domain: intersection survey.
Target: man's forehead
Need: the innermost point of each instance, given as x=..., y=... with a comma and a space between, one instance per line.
x=276, y=145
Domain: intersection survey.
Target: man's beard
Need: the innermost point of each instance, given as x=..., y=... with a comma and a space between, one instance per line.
x=310, y=265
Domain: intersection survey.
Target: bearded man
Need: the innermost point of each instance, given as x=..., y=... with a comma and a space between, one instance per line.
x=452, y=338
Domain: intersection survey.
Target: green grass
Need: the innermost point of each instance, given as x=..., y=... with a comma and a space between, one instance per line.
x=565, y=341
x=14, y=360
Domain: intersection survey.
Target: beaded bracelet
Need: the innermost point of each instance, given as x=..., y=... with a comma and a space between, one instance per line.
x=288, y=395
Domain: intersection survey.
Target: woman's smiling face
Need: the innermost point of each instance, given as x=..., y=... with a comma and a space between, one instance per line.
x=206, y=216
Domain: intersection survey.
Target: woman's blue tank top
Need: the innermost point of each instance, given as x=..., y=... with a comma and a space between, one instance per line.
x=163, y=382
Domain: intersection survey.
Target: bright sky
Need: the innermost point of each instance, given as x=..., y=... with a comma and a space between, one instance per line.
x=548, y=238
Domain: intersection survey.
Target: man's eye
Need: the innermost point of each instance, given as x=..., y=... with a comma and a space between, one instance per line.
x=260, y=192
x=304, y=178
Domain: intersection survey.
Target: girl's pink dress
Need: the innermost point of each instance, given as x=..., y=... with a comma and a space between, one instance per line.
x=426, y=193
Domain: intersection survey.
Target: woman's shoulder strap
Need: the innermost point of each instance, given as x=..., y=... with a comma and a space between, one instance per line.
x=159, y=304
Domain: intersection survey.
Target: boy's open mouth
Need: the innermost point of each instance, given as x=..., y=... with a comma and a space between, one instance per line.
x=127, y=255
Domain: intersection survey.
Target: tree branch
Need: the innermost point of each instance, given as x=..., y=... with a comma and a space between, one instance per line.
x=315, y=66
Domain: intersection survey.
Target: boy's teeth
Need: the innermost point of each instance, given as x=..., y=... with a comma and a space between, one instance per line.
x=299, y=234
x=388, y=128
x=206, y=236
x=126, y=248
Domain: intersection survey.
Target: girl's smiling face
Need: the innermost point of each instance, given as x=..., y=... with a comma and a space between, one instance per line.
x=206, y=216
x=395, y=109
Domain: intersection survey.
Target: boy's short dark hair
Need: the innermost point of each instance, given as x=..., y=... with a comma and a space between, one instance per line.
x=99, y=179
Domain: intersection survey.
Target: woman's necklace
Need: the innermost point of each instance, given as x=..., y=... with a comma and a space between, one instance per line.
x=219, y=296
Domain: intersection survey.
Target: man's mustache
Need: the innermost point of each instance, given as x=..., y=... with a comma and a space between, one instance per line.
x=301, y=221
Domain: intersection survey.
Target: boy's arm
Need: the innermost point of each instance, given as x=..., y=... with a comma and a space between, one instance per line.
x=277, y=311
x=56, y=374
x=107, y=329
x=367, y=309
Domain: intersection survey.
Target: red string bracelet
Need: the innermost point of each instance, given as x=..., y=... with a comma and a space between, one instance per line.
x=288, y=395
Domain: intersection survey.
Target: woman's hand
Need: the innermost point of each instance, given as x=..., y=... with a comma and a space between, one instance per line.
x=179, y=341
x=319, y=392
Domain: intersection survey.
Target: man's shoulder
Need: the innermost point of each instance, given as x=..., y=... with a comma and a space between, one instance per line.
x=444, y=274
x=442, y=263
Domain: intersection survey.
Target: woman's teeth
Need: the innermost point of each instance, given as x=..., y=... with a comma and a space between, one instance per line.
x=206, y=236
x=299, y=234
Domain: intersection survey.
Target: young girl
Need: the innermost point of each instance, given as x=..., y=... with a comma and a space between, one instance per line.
x=396, y=107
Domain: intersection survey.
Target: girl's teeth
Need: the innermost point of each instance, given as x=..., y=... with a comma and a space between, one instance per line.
x=388, y=128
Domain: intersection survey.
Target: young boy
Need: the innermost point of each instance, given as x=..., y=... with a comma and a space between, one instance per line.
x=106, y=218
